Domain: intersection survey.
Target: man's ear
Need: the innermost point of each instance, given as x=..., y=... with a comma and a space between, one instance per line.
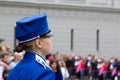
x=38, y=43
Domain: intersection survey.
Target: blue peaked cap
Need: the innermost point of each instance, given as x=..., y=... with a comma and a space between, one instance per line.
x=30, y=28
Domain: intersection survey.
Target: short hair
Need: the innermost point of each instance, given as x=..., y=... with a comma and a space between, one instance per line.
x=4, y=54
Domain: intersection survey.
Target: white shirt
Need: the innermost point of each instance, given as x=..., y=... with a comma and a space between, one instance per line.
x=13, y=64
x=65, y=73
x=1, y=69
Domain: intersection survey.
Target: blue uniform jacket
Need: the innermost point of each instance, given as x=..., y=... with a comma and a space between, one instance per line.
x=32, y=67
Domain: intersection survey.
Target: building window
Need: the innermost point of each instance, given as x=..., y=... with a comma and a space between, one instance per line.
x=72, y=38
x=15, y=40
x=97, y=40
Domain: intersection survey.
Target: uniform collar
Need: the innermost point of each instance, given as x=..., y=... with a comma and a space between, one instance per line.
x=29, y=55
x=41, y=57
x=37, y=57
x=32, y=55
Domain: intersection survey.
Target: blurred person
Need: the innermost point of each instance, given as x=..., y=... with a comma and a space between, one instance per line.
x=56, y=68
x=93, y=68
x=49, y=57
x=99, y=66
x=117, y=68
x=3, y=49
x=70, y=65
x=48, y=62
x=5, y=74
x=81, y=68
x=33, y=35
x=7, y=47
x=77, y=61
x=104, y=71
x=3, y=66
x=88, y=66
x=17, y=57
x=64, y=69
x=111, y=68
x=6, y=58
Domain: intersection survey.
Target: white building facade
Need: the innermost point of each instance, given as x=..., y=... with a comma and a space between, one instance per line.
x=79, y=26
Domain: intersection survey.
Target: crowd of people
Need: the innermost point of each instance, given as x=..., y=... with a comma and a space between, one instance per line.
x=67, y=66
x=90, y=67
x=8, y=60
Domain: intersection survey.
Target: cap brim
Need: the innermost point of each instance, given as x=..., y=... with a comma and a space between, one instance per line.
x=48, y=34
